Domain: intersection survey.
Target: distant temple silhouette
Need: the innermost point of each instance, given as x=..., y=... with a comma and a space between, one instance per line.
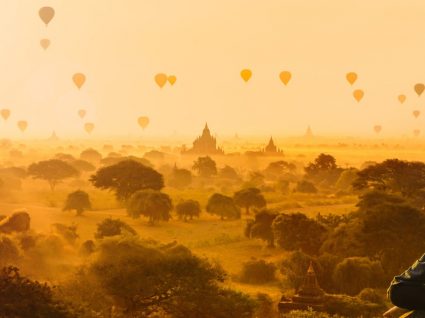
x=271, y=148
x=309, y=133
x=205, y=144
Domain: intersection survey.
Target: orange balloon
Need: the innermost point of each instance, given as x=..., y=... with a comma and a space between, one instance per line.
x=358, y=94
x=22, y=124
x=5, y=113
x=401, y=98
x=246, y=74
x=88, y=127
x=377, y=128
x=351, y=77
x=161, y=79
x=46, y=14
x=82, y=113
x=79, y=79
x=143, y=121
x=419, y=88
x=45, y=43
x=172, y=79
x=416, y=113
x=416, y=132
x=285, y=77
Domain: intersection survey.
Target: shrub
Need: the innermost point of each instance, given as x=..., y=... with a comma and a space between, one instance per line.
x=258, y=272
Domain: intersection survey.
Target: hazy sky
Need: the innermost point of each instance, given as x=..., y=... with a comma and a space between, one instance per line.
x=121, y=45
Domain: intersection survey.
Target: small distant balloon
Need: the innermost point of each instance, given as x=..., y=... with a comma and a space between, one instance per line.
x=161, y=79
x=82, y=113
x=358, y=94
x=79, y=79
x=377, y=128
x=285, y=77
x=172, y=79
x=88, y=127
x=5, y=113
x=46, y=14
x=246, y=74
x=351, y=77
x=143, y=121
x=22, y=124
x=419, y=88
x=401, y=98
x=416, y=113
x=45, y=43
x=416, y=132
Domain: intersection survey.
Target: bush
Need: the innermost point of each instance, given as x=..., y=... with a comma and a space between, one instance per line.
x=372, y=295
x=258, y=272
x=111, y=227
x=305, y=187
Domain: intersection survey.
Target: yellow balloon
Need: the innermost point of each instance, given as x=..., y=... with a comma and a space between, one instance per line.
x=5, y=113
x=88, y=127
x=143, y=121
x=419, y=88
x=285, y=77
x=401, y=98
x=46, y=14
x=416, y=132
x=161, y=79
x=45, y=43
x=351, y=77
x=172, y=79
x=358, y=94
x=22, y=124
x=416, y=113
x=79, y=79
x=82, y=113
x=377, y=128
x=246, y=74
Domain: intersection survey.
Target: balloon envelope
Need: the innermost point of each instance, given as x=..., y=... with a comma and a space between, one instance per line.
x=285, y=77
x=81, y=113
x=401, y=98
x=88, y=127
x=358, y=94
x=79, y=79
x=46, y=14
x=172, y=79
x=246, y=74
x=143, y=121
x=45, y=43
x=351, y=77
x=377, y=128
x=416, y=113
x=5, y=113
x=161, y=79
x=419, y=88
x=22, y=124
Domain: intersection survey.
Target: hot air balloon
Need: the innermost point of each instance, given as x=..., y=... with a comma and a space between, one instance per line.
x=45, y=43
x=143, y=121
x=416, y=132
x=22, y=124
x=351, y=77
x=285, y=77
x=81, y=113
x=358, y=94
x=46, y=14
x=416, y=113
x=172, y=79
x=161, y=79
x=88, y=127
x=401, y=98
x=79, y=79
x=246, y=74
x=377, y=128
x=419, y=88
x=5, y=113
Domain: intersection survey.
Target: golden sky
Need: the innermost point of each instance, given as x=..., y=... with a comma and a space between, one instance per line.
x=121, y=45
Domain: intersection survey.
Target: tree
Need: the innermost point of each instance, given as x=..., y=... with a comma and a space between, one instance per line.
x=150, y=203
x=188, y=208
x=261, y=227
x=228, y=172
x=91, y=155
x=258, y=272
x=53, y=171
x=278, y=169
x=250, y=197
x=323, y=170
x=127, y=177
x=110, y=227
x=78, y=201
x=305, y=186
x=82, y=165
x=346, y=179
x=205, y=166
x=180, y=178
x=223, y=206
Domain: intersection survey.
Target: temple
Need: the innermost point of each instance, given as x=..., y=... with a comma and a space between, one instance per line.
x=310, y=295
x=308, y=133
x=271, y=148
x=206, y=144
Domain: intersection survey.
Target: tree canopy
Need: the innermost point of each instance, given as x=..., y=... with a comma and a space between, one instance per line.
x=205, y=166
x=249, y=197
x=150, y=203
x=223, y=206
x=78, y=201
x=53, y=171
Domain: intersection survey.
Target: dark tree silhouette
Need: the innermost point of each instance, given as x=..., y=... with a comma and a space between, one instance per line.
x=261, y=226
x=250, y=197
x=150, y=203
x=223, y=206
x=180, y=178
x=205, y=166
x=53, y=171
x=188, y=208
x=78, y=201
x=111, y=227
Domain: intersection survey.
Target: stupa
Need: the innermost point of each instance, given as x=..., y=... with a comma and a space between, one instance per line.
x=205, y=144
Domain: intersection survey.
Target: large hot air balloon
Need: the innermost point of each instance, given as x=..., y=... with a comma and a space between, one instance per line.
x=45, y=43
x=419, y=88
x=416, y=132
x=377, y=128
x=401, y=98
x=416, y=113
x=246, y=74
x=285, y=77
x=5, y=113
x=351, y=77
x=22, y=124
x=81, y=113
x=358, y=94
x=88, y=127
x=161, y=79
x=172, y=79
x=79, y=79
x=143, y=121
x=46, y=14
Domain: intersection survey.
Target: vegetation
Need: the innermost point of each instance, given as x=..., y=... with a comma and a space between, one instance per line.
x=78, y=201
x=150, y=203
x=53, y=171
x=223, y=206
x=188, y=209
